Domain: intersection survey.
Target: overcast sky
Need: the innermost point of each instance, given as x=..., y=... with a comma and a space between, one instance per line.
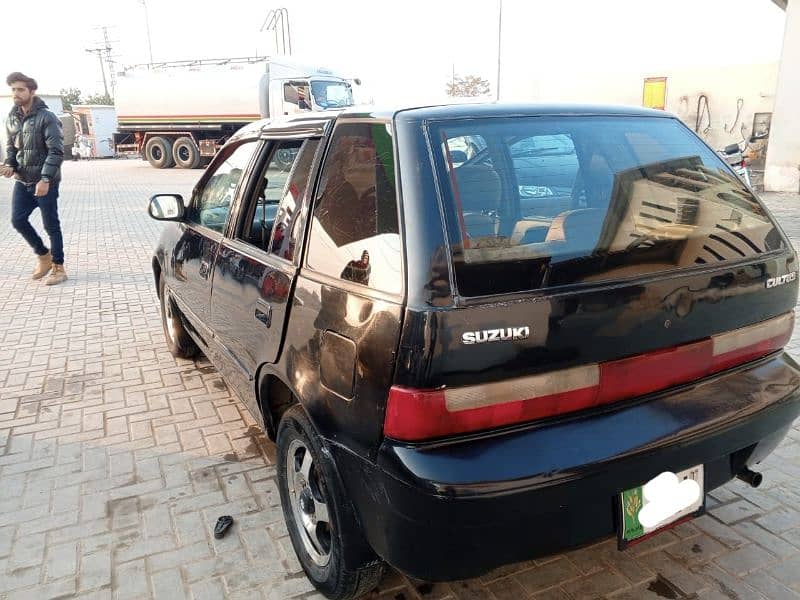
x=403, y=51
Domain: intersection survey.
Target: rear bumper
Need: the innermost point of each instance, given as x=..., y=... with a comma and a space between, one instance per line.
x=459, y=510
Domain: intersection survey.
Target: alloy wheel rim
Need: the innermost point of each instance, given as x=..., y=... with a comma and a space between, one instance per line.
x=170, y=320
x=309, y=504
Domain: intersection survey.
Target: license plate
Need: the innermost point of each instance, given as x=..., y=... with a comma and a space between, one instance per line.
x=660, y=503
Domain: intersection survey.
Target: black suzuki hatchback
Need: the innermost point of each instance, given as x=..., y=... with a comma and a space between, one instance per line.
x=484, y=333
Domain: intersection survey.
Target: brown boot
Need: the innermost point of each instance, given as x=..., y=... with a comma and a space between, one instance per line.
x=43, y=266
x=59, y=275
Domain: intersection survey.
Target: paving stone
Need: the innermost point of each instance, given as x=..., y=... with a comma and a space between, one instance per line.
x=788, y=573
x=722, y=582
x=673, y=572
x=780, y=520
x=776, y=545
x=211, y=589
x=735, y=511
x=697, y=550
x=506, y=588
x=62, y=561
x=104, y=438
x=720, y=531
x=770, y=587
x=95, y=570
x=596, y=585
x=131, y=579
x=178, y=557
x=542, y=577
x=28, y=551
x=746, y=559
x=64, y=588
x=168, y=584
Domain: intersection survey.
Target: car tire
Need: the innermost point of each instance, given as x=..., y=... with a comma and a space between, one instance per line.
x=158, y=152
x=179, y=342
x=333, y=553
x=185, y=153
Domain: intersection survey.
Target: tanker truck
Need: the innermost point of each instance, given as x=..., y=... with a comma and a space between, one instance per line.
x=181, y=112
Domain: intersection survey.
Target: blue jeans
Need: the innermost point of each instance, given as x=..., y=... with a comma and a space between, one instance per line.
x=23, y=203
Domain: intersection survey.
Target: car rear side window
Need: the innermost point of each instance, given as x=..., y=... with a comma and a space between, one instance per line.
x=554, y=201
x=354, y=228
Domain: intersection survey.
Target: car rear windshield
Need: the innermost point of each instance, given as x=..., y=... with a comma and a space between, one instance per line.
x=538, y=202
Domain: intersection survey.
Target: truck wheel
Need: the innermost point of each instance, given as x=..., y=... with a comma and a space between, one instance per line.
x=186, y=153
x=179, y=342
x=322, y=525
x=158, y=152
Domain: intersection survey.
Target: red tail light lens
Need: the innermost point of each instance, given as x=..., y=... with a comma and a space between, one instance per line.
x=413, y=415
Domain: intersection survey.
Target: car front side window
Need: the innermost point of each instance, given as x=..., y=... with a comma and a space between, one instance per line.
x=212, y=204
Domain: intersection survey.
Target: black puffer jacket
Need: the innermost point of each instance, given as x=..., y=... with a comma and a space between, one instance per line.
x=35, y=146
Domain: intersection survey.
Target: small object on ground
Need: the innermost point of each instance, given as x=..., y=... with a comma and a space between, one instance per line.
x=223, y=524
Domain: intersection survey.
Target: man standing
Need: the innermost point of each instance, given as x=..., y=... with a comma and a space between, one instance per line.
x=34, y=153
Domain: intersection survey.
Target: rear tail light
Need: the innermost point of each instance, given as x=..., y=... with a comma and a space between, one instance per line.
x=413, y=414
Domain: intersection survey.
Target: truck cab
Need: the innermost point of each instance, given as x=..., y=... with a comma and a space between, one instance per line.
x=180, y=113
x=289, y=97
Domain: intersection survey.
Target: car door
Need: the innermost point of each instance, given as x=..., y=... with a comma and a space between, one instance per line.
x=206, y=221
x=256, y=266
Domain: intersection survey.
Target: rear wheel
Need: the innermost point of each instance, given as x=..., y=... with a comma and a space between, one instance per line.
x=186, y=153
x=323, y=528
x=158, y=152
x=179, y=342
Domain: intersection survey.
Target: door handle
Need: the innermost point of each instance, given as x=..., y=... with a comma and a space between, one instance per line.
x=264, y=316
x=204, y=269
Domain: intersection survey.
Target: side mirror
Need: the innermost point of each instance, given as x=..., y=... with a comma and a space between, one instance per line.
x=731, y=149
x=166, y=207
x=357, y=81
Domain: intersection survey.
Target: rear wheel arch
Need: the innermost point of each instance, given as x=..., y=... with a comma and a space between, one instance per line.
x=275, y=397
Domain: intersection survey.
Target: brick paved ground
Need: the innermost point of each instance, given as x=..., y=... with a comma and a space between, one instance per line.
x=116, y=459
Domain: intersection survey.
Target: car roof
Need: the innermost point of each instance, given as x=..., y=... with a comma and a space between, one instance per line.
x=501, y=109
x=308, y=123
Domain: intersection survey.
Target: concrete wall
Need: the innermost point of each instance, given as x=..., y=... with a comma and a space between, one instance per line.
x=782, y=172
x=723, y=86
x=54, y=103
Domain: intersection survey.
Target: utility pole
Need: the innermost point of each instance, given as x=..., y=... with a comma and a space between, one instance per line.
x=147, y=26
x=103, y=53
x=99, y=53
x=499, y=39
x=110, y=62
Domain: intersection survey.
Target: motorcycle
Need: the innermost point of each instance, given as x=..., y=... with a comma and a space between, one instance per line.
x=734, y=156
